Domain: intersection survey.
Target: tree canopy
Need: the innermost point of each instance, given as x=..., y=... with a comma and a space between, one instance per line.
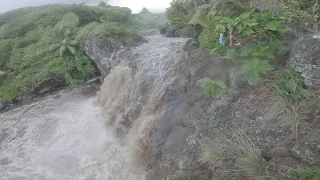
x=36, y=42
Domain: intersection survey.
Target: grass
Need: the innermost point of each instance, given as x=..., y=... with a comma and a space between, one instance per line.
x=294, y=106
x=312, y=173
x=213, y=154
x=235, y=156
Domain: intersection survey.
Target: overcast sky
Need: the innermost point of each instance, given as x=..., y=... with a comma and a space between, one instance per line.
x=134, y=5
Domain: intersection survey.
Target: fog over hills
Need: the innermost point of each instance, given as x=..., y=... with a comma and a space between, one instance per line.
x=135, y=6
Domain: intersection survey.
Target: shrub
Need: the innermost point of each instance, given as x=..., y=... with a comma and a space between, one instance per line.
x=307, y=12
x=290, y=85
x=212, y=87
x=312, y=173
x=30, y=37
x=209, y=39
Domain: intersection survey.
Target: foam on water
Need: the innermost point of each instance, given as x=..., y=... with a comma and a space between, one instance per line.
x=61, y=138
x=64, y=137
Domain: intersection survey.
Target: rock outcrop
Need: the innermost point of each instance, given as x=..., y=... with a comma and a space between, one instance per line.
x=193, y=119
x=305, y=58
x=190, y=32
x=104, y=54
x=155, y=102
x=50, y=84
x=100, y=52
x=174, y=144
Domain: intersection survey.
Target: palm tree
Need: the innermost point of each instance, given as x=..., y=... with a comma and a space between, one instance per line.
x=222, y=7
x=63, y=42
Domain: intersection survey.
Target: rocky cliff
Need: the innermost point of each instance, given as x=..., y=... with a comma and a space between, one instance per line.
x=176, y=131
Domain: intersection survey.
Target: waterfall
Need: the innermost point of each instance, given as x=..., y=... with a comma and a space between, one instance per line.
x=69, y=136
x=132, y=95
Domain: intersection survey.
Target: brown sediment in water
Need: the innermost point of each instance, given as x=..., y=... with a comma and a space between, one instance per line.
x=132, y=95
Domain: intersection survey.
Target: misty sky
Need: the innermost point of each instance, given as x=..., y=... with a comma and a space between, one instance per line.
x=134, y=5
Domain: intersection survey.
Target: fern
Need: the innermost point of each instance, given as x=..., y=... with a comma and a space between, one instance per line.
x=253, y=69
x=212, y=87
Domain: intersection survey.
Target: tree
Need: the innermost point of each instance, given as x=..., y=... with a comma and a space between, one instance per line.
x=102, y=4
x=63, y=41
x=145, y=11
x=69, y=20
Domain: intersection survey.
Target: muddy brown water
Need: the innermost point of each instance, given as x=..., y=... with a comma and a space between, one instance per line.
x=65, y=137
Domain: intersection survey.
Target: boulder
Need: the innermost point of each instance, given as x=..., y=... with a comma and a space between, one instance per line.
x=194, y=32
x=305, y=58
x=100, y=52
x=163, y=30
x=104, y=53
x=172, y=31
x=48, y=85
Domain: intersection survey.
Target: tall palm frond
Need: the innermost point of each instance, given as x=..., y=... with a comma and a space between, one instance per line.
x=63, y=41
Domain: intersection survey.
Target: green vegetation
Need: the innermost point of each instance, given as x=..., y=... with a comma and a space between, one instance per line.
x=306, y=12
x=253, y=30
x=212, y=87
x=254, y=33
x=290, y=85
x=306, y=174
x=40, y=42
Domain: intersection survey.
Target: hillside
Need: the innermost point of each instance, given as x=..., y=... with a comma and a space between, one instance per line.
x=41, y=43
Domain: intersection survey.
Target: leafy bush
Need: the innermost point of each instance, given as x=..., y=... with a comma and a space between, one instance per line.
x=21, y=21
x=75, y=69
x=70, y=20
x=208, y=39
x=116, y=33
x=307, y=12
x=115, y=14
x=212, y=87
x=290, y=85
x=258, y=33
x=306, y=174
x=253, y=70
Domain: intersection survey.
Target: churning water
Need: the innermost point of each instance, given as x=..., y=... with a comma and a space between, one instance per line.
x=60, y=137
x=65, y=137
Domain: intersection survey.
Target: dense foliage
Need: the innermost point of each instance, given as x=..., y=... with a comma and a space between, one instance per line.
x=36, y=42
x=252, y=29
x=252, y=35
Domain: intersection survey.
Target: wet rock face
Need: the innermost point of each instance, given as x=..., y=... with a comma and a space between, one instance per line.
x=172, y=31
x=192, y=116
x=52, y=83
x=174, y=144
x=305, y=58
x=100, y=52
